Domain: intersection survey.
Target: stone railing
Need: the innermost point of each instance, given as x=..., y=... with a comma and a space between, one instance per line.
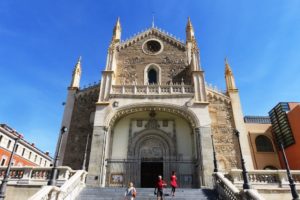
x=265, y=178
x=227, y=190
x=68, y=191
x=152, y=89
x=36, y=175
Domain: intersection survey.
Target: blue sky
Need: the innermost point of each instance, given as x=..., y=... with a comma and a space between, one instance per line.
x=40, y=42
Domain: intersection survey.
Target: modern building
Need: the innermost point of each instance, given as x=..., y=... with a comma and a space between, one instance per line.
x=263, y=148
x=286, y=130
x=152, y=113
x=27, y=154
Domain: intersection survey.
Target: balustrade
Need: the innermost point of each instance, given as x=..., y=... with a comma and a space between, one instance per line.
x=268, y=178
x=38, y=175
x=152, y=89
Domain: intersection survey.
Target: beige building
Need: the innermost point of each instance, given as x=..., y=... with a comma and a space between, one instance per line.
x=263, y=149
x=151, y=114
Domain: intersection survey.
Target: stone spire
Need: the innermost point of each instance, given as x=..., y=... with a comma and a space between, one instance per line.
x=76, y=75
x=230, y=83
x=117, y=31
x=190, y=34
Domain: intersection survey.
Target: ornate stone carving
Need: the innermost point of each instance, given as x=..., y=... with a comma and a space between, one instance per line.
x=184, y=113
x=151, y=149
x=222, y=127
x=178, y=74
x=168, y=60
x=134, y=60
x=152, y=124
x=128, y=74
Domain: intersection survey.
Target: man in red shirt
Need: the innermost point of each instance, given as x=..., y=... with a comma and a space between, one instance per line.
x=160, y=184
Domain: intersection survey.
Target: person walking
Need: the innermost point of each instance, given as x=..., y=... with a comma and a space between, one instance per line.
x=173, y=183
x=160, y=184
x=130, y=192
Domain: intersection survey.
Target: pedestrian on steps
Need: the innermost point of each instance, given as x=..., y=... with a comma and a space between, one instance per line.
x=173, y=183
x=160, y=184
x=130, y=192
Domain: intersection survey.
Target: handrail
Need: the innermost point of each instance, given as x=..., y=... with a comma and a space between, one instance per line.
x=253, y=195
x=43, y=194
x=69, y=190
x=225, y=188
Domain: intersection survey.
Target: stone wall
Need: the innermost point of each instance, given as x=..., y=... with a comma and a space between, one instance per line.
x=225, y=142
x=81, y=126
x=132, y=61
x=21, y=192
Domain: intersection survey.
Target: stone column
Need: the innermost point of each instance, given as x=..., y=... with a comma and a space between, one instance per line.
x=199, y=164
x=205, y=155
x=66, y=121
x=97, y=157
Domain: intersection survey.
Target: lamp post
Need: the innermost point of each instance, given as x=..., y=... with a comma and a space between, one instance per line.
x=214, y=154
x=54, y=171
x=291, y=181
x=7, y=172
x=246, y=184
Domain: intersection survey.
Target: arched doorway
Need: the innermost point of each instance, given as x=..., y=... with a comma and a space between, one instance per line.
x=151, y=158
x=158, y=141
x=151, y=149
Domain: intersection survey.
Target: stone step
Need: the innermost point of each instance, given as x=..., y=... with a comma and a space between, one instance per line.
x=96, y=193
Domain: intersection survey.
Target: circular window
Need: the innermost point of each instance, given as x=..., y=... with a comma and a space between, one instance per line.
x=152, y=47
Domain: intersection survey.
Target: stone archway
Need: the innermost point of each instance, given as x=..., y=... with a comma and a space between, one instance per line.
x=151, y=149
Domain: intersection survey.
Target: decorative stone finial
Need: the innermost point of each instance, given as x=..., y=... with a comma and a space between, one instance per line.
x=230, y=83
x=76, y=75
x=190, y=35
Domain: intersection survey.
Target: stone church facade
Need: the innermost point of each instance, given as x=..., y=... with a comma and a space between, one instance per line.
x=152, y=113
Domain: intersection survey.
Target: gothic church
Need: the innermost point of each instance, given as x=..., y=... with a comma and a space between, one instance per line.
x=152, y=113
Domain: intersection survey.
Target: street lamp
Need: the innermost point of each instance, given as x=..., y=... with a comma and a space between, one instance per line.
x=214, y=154
x=246, y=184
x=291, y=181
x=7, y=172
x=54, y=171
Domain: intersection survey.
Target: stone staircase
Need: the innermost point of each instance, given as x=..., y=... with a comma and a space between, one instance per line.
x=96, y=193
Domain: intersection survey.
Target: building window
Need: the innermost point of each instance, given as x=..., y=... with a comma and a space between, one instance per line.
x=3, y=161
x=40, y=161
x=165, y=123
x=45, y=163
x=23, y=152
x=139, y=123
x=29, y=157
x=152, y=76
x=8, y=144
x=263, y=144
x=1, y=136
x=35, y=158
x=17, y=148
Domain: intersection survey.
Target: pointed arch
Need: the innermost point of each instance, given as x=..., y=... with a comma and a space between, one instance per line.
x=155, y=70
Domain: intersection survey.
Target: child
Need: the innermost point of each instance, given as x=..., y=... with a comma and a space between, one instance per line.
x=130, y=193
